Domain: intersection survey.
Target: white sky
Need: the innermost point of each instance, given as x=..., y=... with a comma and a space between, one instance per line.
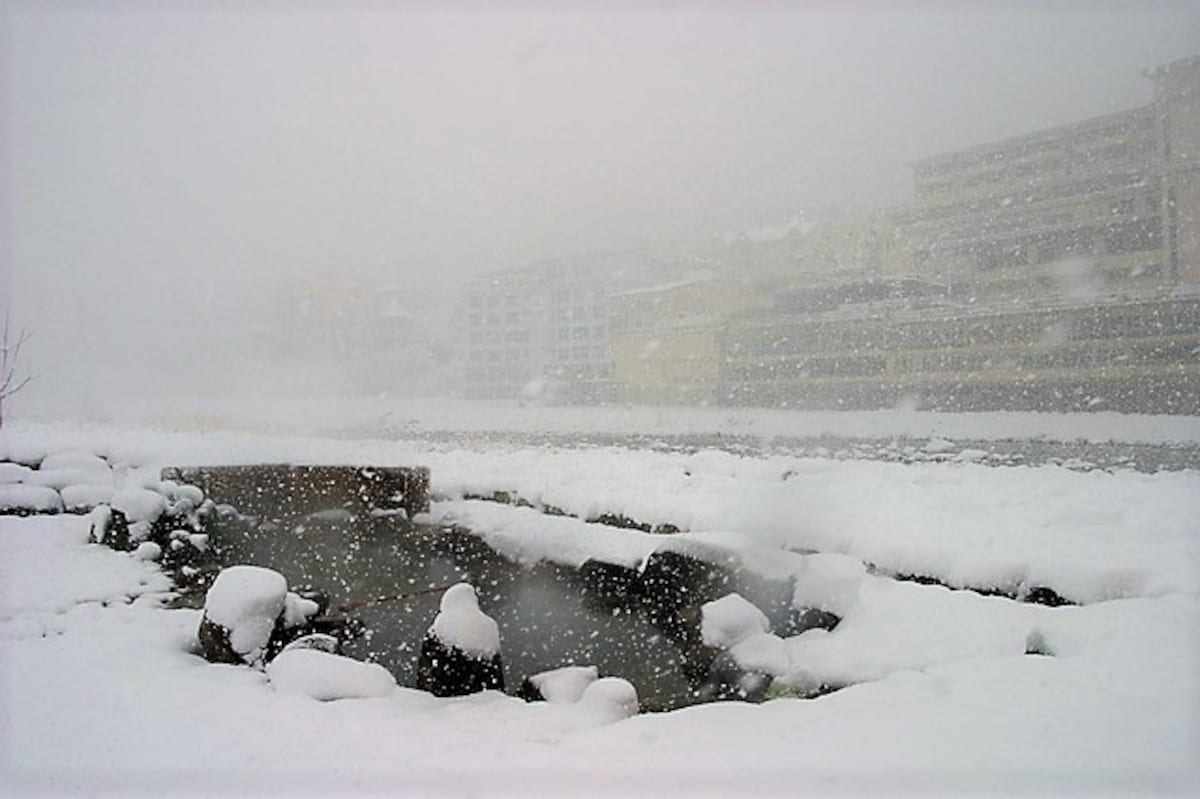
x=167, y=161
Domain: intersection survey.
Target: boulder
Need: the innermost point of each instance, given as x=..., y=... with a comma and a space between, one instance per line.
x=563, y=686
x=241, y=611
x=461, y=652
x=21, y=499
x=325, y=676
x=608, y=585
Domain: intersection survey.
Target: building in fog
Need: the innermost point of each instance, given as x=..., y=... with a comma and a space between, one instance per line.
x=1103, y=207
x=879, y=343
x=1058, y=270
x=665, y=338
x=542, y=332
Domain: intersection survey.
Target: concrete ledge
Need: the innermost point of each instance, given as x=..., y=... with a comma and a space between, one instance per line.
x=305, y=489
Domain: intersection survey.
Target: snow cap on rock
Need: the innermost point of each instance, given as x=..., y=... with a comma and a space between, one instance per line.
x=729, y=620
x=139, y=504
x=462, y=625
x=246, y=600
x=325, y=676
x=565, y=686
x=829, y=581
x=610, y=699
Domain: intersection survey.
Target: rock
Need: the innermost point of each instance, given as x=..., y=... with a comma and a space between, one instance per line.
x=85, y=496
x=729, y=620
x=241, y=611
x=562, y=686
x=325, y=676
x=727, y=679
x=828, y=581
x=809, y=619
x=13, y=473
x=671, y=580
x=21, y=499
x=1043, y=595
x=607, y=585
x=148, y=550
x=609, y=699
x=461, y=652
x=320, y=641
x=76, y=459
x=110, y=528
x=139, y=504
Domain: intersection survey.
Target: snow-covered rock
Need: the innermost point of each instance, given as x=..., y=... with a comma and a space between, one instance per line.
x=84, y=496
x=461, y=652
x=761, y=652
x=61, y=478
x=325, y=676
x=23, y=498
x=75, y=459
x=139, y=504
x=322, y=641
x=828, y=581
x=240, y=611
x=729, y=620
x=13, y=473
x=297, y=609
x=462, y=625
x=148, y=550
x=563, y=686
x=609, y=699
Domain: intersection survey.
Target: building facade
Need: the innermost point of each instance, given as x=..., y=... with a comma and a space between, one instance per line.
x=1103, y=207
x=543, y=332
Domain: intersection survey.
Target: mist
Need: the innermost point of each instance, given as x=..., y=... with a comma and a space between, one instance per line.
x=172, y=172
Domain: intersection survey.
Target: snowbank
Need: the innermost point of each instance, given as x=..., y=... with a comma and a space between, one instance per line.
x=325, y=677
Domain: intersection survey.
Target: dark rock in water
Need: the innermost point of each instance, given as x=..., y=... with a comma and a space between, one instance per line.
x=672, y=580
x=215, y=646
x=808, y=619
x=461, y=652
x=318, y=641
x=607, y=585
x=1042, y=595
x=727, y=680
x=448, y=671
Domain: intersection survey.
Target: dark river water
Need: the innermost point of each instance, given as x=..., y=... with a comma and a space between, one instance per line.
x=545, y=616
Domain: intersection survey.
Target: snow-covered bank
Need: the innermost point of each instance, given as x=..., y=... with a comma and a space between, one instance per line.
x=389, y=417
x=99, y=691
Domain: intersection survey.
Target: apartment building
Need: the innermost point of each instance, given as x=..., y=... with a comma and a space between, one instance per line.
x=1108, y=206
x=542, y=332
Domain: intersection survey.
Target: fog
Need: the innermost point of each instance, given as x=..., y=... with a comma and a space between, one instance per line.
x=172, y=171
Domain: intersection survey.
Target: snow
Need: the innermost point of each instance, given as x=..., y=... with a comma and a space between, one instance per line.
x=565, y=686
x=325, y=677
x=730, y=620
x=139, y=504
x=762, y=652
x=828, y=581
x=86, y=496
x=13, y=473
x=462, y=625
x=148, y=550
x=246, y=600
x=609, y=699
x=78, y=460
x=297, y=609
x=30, y=498
x=102, y=691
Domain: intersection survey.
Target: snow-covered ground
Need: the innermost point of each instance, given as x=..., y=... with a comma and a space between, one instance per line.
x=399, y=416
x=100, y=692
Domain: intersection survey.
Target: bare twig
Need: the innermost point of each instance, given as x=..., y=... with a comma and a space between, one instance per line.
x=358, y=604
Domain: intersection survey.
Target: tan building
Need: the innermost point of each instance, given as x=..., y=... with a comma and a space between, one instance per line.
x=1108, y=206
x=664, y=339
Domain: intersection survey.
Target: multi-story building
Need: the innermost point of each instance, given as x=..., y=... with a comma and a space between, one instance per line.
x=664, y=338
x=1058, y=270
x=898, y=342
x=1106, y=206
x=543, y=332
